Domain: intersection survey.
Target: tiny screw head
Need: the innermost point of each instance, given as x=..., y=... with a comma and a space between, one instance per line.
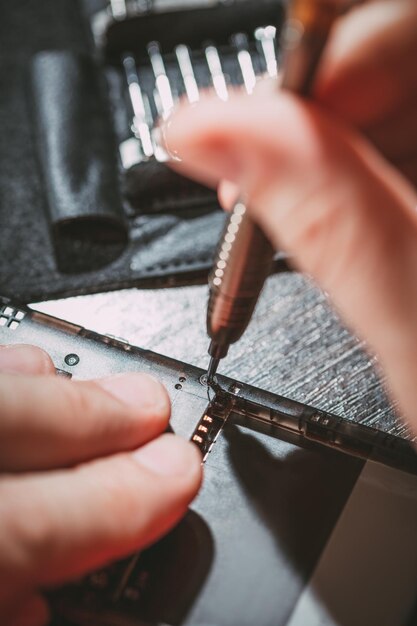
x=204, y=380
x=72, y=359
x=178, y=386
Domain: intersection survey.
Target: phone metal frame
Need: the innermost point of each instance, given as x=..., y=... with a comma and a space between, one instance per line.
x=86, y=354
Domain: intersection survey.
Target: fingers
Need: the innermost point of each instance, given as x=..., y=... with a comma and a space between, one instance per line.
x=22, y=359
x=51, y=422
x=326, y=196
x=58, y=525
x=368, y=71
x=367, y=77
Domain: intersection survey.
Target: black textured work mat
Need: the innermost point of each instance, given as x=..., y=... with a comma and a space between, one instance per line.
x=165, y=248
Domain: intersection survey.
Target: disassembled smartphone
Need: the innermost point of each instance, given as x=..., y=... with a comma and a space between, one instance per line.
x=304, y=518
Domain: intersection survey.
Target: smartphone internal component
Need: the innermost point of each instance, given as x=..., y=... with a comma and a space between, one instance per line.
x=210, y=425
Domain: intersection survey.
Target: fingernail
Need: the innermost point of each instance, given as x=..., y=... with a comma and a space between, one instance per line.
x=23, y=359
x=161, y=134
x=163, y=131
x=169, y=455
x=138, y=390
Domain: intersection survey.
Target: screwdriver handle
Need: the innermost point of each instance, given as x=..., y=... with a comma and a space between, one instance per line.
x=243, y=262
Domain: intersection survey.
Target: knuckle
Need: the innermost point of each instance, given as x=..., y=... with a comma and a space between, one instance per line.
x=85, y=405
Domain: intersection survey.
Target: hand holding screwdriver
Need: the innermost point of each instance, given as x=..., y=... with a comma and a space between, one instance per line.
x=333, y=182
x=244, y=256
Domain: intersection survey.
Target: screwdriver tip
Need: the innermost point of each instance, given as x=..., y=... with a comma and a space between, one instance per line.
x=214, y=364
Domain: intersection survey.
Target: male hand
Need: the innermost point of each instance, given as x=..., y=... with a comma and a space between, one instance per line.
x=87, y=476
x=320, y=178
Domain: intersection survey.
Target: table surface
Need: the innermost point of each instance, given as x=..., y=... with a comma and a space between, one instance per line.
x=295, y=346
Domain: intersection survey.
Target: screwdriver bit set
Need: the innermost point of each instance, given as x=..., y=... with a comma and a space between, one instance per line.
x=157, y=53
x=185, y=73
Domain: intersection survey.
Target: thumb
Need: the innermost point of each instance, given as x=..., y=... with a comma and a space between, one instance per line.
x=322, y=193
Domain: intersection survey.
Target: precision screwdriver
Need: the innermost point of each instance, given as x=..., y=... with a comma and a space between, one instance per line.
x=244, y=255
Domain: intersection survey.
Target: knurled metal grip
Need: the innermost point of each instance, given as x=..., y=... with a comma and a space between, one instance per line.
x=243, y=262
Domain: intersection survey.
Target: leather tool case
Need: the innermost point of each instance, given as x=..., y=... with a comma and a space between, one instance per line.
x=78, y=214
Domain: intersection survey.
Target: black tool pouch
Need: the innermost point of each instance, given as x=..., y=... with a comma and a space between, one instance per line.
x=82, y=209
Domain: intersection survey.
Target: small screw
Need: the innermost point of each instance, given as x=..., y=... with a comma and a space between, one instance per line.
x=72, y=359
x=204, y=380
x=178, y=386
x=182, y=379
